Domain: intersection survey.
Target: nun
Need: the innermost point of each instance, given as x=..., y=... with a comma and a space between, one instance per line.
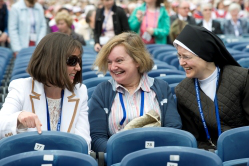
x=214, y=96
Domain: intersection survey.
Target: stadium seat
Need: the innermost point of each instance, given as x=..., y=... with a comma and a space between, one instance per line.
x=240, y=47
x=93, y=74
x=49, y=158
x=244, y=62
x=52, y=140
x=90, y=92
x=171, y=79
x=233, y=144
x=17, y=76
x=172, y=87
x=171, y=156
x=95, y=81
x=238, y=162
x=125, y=142
x=164, y=72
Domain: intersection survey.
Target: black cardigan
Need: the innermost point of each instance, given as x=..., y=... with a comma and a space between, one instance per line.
x=120, y=22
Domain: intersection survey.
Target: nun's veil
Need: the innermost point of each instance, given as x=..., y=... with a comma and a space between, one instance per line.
x=206, y=45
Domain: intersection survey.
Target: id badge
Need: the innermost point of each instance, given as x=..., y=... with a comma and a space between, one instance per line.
x=33, y=37
x=103, y=40
x=146, y=36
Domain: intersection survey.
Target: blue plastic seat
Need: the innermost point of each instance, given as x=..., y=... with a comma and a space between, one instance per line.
x=125, y=142
x=246, y=49
x=163, y=66
x=241, y=46
x=90, y=92
x=95, y=81
x=162, y=55
x=171, y=156
x=172, y=87
x=93, y=74
x=49, y=158
x=17, y=76
x=237, y=162
x=244, y=62
x=164, y=72
x=171, y=79
x=233, y=144
x=53, y=140
x=240, y=56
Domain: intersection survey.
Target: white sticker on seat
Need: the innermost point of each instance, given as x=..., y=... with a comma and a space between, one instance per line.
x=171, y=164
x=149, y=144
x=39, y=147
x=48, y=157
x=174, y=158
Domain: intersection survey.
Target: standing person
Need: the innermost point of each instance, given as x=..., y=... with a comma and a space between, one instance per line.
x=208, y=22
x=64, y=22
x=26, y=24
x=4, y=39
x=130, y=92
x=216, y=87
x=53, y=98
x=151, y=21
x=183, y=11
x=110, y=20
x=235, y=26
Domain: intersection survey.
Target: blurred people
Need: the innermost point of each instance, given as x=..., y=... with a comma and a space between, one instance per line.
x=86, y=27
x=131, y=93
x=64, y=23
x=151, y=22
x=214, y=96
x=235, y=26
x=175, y=29
x=110, y=20
x=53, y=98
x=183, y=11
x=208, y=22
x=26, y=24
x=4, y=39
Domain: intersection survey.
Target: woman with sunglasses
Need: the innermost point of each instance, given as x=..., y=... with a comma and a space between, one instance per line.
x=53, y=98
x=214, y=96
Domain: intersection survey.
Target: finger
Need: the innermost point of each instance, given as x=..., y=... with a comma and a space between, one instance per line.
x=38, y=125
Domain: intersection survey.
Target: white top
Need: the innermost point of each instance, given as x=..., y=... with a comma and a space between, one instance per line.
x=236, y=27
x=208, y=85
x=54, y=112
x=207, y=25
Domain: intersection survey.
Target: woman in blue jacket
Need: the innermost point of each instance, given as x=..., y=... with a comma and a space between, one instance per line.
x=130, y=93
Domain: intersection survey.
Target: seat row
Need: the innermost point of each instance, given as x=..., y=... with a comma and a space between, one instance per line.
x=141, y=146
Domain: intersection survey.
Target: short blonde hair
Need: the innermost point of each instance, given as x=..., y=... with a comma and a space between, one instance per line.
x=134, y=47
x=63, y=15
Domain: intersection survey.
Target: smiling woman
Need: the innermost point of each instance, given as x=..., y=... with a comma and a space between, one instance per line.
x=214, y=96
x=130, y=93
x=53, y=98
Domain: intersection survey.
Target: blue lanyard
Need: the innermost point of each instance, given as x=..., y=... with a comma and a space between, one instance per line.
x=124, y=110
x=105, y=20
x=155, y=18
x=216, y=108
x=59, y=120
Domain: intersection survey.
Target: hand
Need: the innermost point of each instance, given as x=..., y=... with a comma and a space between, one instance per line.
x=97, y=47
x=140, y=15
x=30, y=120
x=150, y=31
x=3, y=37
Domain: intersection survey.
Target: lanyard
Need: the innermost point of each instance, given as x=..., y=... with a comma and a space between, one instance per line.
x=105, y=20
x=124, y=110
x=216, y=108
x=59, y=120
x=155, y=18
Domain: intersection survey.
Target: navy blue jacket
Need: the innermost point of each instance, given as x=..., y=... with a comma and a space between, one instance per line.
x=101, y=103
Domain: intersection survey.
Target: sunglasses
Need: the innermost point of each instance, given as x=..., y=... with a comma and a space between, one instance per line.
x=73, y=60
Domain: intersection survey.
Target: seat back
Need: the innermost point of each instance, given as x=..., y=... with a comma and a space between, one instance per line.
x=171, y=156
x=125, y=142
x=49, y=157
x=233, y=144
x=52, y=140
x=91, y=82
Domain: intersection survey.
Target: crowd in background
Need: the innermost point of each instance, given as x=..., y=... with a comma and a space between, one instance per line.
x=79, y=18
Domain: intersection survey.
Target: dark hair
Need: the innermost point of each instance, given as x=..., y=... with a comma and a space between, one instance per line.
x=88, y=15
x=48, y=62
x=158, y=3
